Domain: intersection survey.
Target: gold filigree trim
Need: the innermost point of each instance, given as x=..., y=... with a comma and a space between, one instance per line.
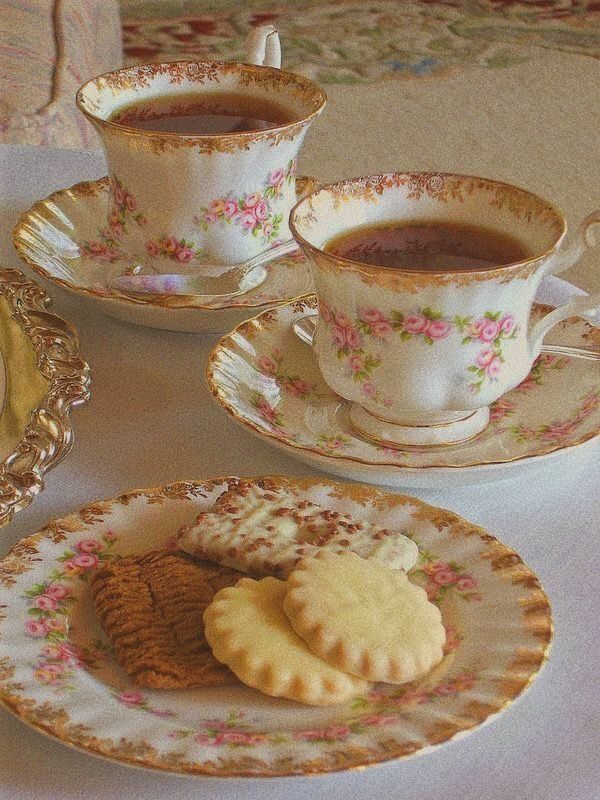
x=55, y=722
x=254, y=326
x=442, y=187
x=49, y=435
x=141, y=76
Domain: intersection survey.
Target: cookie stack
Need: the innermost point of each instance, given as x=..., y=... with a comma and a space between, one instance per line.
x=327, y=606
x=337, y=622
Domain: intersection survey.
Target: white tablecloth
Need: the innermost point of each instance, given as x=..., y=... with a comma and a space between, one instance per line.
x=151, y=419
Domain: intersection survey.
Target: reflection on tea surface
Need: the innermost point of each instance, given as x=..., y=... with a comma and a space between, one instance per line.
x=428, y=245
x=201, y=113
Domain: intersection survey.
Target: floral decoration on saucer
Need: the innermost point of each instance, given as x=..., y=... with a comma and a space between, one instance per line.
x=57, y=672
x=68, y=239
x=269, y=381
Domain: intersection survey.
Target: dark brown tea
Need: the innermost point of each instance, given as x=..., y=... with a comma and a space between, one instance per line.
x=202, y=113
x=428, y=245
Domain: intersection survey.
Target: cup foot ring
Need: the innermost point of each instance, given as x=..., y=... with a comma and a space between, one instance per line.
x=394, y=435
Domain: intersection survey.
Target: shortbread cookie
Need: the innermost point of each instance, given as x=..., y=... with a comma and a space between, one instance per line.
x=151, y=608
x=262, y=530
x=364, y=618
x=248, y=630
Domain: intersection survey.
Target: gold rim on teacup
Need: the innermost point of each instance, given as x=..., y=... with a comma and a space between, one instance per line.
x=433, y=184
x=199, y=71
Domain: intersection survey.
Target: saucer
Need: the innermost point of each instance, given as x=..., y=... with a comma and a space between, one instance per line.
x=269, y=381
x=58, y=674
x=61, y=239
x=42, y=377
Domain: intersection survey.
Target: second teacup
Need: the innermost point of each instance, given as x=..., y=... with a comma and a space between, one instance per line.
x=222, y=196
x=425, y=284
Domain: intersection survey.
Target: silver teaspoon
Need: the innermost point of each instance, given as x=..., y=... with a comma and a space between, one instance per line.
x=231, y=282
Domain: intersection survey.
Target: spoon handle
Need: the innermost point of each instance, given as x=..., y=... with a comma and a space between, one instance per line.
x=268, y=255
x=575, y=352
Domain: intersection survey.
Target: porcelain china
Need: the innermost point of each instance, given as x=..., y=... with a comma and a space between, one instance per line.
x=229, y=203
x=57, y=672
x=43, y=377
x=422, y=354
x=221, y=198
x=269, y=381
x=60, y=238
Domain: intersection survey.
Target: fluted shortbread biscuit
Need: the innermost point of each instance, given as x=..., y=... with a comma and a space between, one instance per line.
x=265, y=531
x=364, y=618
x=151, y=608
x=248, y=630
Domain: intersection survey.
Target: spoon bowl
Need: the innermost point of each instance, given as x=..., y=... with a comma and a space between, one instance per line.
x=203, y=288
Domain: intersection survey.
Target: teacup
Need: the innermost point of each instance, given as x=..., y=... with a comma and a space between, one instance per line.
x=221, y=198
x=421, y=354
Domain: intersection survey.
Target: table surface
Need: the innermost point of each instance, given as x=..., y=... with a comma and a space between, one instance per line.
x=151, y=419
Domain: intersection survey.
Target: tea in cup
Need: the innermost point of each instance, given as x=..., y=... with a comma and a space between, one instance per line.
x=425, y=284
x=202, y=156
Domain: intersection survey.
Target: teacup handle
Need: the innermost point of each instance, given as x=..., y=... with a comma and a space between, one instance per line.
x=263, y=47
x=588, y=304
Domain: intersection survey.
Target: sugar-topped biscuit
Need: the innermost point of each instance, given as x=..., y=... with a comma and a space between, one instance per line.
x=260, y=529
x=364, y=618
x=247, y=629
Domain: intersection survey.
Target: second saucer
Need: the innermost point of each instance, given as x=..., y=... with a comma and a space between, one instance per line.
x=59, y=238
x=269, y=381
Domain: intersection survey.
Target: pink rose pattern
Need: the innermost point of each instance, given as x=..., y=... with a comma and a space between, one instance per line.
x=332, y=444
x=501, y=408
x=123, y=211
x=292, y=385
x=504, y=407
x=349, y=334
x=490, y=333
x=389, y=705
x=556, y=432
x=49, y=603
x=348, y=337
x=269, y=414
x=442, y=577
x=179, y=250
x=253, y=211
x=542, y=363
x=382, y=708
x=226, y=732
x=137, y=700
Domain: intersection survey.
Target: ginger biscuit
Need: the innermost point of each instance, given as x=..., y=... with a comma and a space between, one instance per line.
x=151, y=608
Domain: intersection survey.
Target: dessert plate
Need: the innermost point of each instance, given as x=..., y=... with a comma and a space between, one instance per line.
x=57, y=672
x=63, y=238
x=43, y=376
x=270, y=382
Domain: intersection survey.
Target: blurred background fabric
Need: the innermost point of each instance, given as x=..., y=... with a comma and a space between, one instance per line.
x=48, y=48
x=353, y=41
